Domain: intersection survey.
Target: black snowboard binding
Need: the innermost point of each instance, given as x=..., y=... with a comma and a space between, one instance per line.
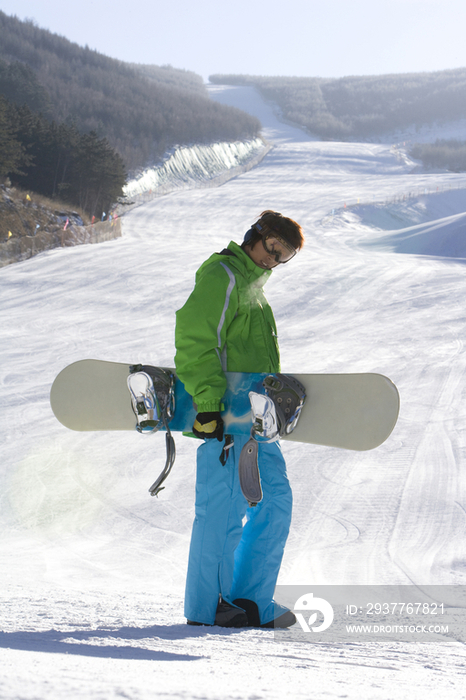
x=274, y=414
x=288, y=396
x=152, y=392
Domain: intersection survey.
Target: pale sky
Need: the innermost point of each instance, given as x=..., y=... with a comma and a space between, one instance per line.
x=327, y=38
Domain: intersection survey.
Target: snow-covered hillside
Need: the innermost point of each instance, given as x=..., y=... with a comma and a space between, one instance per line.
x=196, y=166
x=93, y=569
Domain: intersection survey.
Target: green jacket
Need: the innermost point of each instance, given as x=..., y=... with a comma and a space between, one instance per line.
x=226, y=324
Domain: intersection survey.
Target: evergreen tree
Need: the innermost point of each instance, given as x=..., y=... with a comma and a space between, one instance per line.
x=141, y=110
x=98, y=174
x=81, y=169
x=12, y=155
x=19, y=84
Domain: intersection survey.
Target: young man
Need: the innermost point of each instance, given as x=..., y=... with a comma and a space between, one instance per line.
x=227, y=325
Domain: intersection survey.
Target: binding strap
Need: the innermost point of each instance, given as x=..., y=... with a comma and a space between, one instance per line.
x=152, y=392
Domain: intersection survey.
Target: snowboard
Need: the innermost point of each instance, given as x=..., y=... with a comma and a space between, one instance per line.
x=350, y=411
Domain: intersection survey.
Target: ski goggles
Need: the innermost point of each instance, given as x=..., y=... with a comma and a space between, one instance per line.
x=278, y=247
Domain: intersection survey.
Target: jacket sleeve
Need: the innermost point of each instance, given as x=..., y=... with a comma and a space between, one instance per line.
x=200, y=335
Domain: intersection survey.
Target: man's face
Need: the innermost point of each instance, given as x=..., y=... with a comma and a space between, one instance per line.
x=261, y=257
x=270, y=251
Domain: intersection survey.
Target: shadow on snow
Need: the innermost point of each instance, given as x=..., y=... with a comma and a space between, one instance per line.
x=109, y=643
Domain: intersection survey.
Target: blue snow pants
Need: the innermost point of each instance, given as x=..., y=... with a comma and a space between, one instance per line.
x=227, y=556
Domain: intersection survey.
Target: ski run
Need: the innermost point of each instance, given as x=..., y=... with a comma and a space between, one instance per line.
x=93, y=568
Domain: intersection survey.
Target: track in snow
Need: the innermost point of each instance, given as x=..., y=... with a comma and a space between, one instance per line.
x=85, y=550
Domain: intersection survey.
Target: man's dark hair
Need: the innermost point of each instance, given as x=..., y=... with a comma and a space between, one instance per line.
x=270, y=221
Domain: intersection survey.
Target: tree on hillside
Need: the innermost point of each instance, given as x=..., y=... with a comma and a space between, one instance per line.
x=98, y=174
x=12, y=154
x=141, y=110
x=81, y=169
x=45, y=144
x=19, y=84
x=363, y=106
x=444, y=153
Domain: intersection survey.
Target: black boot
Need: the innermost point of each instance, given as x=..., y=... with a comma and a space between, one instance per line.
x=227, y=615
x=287, y=619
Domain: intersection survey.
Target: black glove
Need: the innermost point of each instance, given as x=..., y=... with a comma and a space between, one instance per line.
x=208, y=425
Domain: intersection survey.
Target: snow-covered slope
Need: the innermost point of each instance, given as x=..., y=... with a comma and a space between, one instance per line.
x=196, y=166
x=93, y=569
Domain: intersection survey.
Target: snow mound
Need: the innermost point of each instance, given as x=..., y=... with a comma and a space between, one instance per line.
x=430, y=224
x=188, y=166
x=442, y=238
